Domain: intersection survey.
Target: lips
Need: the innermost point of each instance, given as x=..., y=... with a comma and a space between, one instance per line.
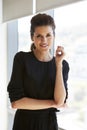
x=43, y=45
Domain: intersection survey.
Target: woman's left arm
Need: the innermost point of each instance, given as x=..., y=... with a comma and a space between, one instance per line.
x=59, y=90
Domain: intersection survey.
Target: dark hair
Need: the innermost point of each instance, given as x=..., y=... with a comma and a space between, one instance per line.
x=41, y=20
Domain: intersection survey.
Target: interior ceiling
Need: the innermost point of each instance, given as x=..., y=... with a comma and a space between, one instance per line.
x=42, y=5
x=20, y=8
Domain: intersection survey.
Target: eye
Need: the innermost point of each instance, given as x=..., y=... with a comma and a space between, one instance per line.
x=38, y=36
x=48, y=35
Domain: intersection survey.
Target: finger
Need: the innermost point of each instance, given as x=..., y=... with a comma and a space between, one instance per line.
x=60, y=47
x=60, y=50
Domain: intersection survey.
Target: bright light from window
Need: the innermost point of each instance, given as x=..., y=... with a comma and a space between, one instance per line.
x=71, y=32
x=72, y=15
x=24, y=34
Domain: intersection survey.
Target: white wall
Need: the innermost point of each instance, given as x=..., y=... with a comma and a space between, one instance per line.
x=12, y=48
x=3, y=73
x=3, y=77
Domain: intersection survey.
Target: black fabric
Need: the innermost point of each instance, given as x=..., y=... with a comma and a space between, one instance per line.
x=35, y=79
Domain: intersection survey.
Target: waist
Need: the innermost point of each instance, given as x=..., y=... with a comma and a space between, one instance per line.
x=41, y=111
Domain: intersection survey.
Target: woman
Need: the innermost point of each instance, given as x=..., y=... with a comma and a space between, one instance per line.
x=38, y=84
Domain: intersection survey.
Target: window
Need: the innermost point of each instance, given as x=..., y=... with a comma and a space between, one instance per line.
x=24, y=34
x=71, y=32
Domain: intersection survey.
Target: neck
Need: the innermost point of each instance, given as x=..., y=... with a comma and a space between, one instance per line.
x=43, y=56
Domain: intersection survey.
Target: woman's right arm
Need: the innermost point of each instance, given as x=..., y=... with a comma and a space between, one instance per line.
x=32, y=104
x=15, y=89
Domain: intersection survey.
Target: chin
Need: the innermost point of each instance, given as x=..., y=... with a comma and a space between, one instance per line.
x=45, y=49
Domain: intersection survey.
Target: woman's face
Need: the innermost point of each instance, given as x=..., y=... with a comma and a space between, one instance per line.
x=43, y=38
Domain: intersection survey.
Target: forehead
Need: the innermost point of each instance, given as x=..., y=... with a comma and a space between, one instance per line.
x=43, y=29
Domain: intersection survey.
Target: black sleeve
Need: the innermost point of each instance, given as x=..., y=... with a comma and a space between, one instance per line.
x=15, y=85
x=65, y=76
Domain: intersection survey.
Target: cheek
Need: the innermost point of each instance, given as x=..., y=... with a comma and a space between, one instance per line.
x=36, y=43
x=51, y=41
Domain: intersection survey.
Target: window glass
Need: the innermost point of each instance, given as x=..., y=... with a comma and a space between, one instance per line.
x=24, y=34
x=71, y=32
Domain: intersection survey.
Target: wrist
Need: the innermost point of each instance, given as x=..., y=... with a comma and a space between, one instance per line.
x=59, y=66
x=53, y=104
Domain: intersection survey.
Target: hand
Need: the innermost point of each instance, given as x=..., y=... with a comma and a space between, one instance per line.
x=59, y=55
x=65, y=105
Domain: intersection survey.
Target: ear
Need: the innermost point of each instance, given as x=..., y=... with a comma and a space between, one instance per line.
x=32, y=38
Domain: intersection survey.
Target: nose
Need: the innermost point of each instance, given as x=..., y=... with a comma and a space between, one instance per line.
x=43, y=38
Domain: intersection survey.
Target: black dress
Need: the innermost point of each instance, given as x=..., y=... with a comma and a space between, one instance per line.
x=34, y=79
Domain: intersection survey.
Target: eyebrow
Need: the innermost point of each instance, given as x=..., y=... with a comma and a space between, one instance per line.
x=41, y=34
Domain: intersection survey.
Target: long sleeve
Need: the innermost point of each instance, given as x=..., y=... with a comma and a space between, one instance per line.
x=15, y=86
x=65, y=77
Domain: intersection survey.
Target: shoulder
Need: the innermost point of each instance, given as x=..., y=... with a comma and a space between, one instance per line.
x=65, y=65
x=21, y=55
